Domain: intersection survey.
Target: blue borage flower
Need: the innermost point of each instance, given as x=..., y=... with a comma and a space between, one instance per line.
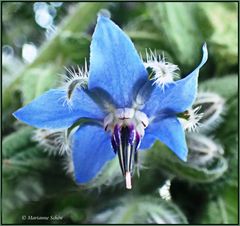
x=123, y=110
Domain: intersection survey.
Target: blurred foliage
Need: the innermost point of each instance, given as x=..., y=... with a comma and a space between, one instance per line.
x=36, y=184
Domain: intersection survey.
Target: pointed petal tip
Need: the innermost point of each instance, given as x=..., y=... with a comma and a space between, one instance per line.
x=18, y=114
x=183, y=156
x=109, y=43
x=50, y=110
x=204, y=45
x=14, y=114
x=205, y=54
x=204, y=49
x=104, y=14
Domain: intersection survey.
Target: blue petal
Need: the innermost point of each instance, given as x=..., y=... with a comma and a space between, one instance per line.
x=50, y=111
x=90, y=151
x=170, y=132
x=115, y=65
x=175, y=97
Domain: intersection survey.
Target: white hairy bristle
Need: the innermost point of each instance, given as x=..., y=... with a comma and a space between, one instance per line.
x=192, y=123
x=163, y=72
x=75, y=78
x=68, y=165
x=55, y=142
x=164, y=191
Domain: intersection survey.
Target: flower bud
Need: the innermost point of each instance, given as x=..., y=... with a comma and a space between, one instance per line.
x=212, y=108
x=202, y=150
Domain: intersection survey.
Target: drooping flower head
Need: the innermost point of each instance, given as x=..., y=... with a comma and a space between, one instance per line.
x=120, y=110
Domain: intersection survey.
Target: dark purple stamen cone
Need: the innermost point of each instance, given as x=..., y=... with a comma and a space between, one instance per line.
x=125, y=141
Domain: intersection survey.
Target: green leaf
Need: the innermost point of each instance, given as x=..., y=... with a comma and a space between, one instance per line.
x=21, y=155
x=21, y=191
x=37, y=80
x=226, y=86
x=222, y=209
x=17, y=141
x=181, y=25
x=141, y=210
x=69, y=42
x=31, y=159
x=224, y=40
x=160, y=158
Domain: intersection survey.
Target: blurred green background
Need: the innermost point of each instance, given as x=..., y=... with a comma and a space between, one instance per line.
x=39, y=39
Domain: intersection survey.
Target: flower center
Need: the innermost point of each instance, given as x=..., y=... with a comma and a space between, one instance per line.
x=127, y=127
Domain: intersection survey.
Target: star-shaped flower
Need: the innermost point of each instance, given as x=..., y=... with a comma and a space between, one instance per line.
x=120, y=109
